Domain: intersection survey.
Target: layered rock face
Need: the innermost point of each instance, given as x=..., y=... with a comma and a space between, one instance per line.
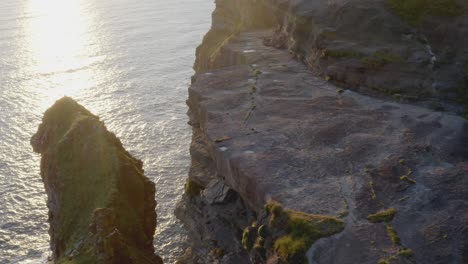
x=101, y=206
x=413, y=51
x=288, y=167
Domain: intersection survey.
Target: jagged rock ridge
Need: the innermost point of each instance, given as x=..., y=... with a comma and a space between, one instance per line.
x=101, y=206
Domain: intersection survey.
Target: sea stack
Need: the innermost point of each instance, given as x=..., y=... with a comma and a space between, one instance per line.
x=101, y=205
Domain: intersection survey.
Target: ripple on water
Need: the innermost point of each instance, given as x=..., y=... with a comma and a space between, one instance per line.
x=128, y=62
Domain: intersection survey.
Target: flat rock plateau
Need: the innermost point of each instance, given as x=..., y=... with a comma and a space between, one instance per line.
x=329, y=132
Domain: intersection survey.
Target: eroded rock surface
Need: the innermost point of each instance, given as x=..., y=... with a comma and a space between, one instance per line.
x=101, y=206
x=270, y=127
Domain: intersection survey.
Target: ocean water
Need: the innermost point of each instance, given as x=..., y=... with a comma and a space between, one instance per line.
x=128, y=62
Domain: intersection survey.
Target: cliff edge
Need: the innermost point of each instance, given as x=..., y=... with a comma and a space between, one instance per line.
x=316, y=138
x=101, y=206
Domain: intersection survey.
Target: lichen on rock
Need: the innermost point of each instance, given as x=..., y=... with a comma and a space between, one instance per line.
x=101, y=205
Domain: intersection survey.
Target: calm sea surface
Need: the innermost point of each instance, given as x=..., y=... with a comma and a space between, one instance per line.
x=128, y=62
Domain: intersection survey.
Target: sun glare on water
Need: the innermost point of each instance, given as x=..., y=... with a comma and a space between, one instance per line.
x=60, y=44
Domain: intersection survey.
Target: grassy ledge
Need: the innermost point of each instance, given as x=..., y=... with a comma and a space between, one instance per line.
x=192, y=188
x=302, y=230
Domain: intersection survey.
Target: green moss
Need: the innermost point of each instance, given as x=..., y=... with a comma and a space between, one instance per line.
x=259, y=243
x=382, y=216
x=303, y=230
x=262, y=231
x=192, y=188
x=253, y=89
x=407, y=252
x=407, y=179
x=276, y=211
x=413, y=11
x=222, y=139
x=256, y=72
x=393, y=235
x=343, y=214
x=291, y=249
x=383, y=261
x=247, y=241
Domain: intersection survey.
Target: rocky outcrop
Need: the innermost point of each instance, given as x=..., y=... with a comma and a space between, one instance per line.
x=412, y=51
x=288, y=167
x=101, y=206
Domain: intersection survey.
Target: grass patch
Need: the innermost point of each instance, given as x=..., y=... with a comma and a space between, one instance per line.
x=222, y=139
x=413, y=11
x=383, y=261
x=407, y=253
x=302, y=231
x=259, y=243
x=407, y=178
x=276, y=211
x=192, y=188
x=256, y=72
x=343, y=214
x=387, y=260
x=247, y=241
x=262, y=231
x=382, y=216
x=393, y=235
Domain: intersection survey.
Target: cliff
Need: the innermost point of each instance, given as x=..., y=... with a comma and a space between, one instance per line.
x=329, y=132
x=412, y=51
x=101, y=206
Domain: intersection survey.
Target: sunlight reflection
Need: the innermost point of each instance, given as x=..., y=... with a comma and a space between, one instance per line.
x=59, y=40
